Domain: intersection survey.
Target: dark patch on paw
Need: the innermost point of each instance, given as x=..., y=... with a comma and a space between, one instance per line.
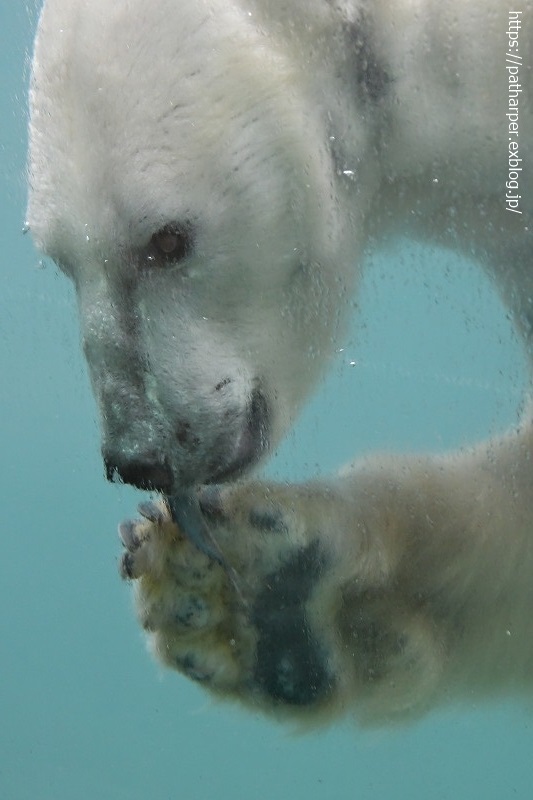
x=191, y=612
x=200, y=575
x=126, y=566
x=268, y=521
x=290, y=664
x=187, y=665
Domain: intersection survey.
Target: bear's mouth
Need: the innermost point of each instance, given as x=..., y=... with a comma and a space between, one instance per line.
x=230, y=450
x=184, y=504
x=252, y=445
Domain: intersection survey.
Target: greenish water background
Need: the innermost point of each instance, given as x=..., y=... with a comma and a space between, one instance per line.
x=84, y=712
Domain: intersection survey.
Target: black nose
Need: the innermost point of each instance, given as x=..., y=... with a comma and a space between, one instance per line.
x=145, y=471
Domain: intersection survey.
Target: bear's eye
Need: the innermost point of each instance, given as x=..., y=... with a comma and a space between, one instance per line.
x=171, y=244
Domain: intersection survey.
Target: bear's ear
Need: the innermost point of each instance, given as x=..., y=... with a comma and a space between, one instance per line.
x=170, y=244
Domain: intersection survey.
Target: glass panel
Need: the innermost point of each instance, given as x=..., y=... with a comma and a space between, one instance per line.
x=214, y=229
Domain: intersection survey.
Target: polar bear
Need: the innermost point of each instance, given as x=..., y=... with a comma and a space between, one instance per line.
x=210, y=174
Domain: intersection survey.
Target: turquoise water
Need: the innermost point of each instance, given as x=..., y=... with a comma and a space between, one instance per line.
x=84, y=711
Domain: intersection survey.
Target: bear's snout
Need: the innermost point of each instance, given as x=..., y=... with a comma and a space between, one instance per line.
x=144, y=470
x=215, y=449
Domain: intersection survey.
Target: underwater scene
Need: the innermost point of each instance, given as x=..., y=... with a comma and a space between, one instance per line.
x=428, y=363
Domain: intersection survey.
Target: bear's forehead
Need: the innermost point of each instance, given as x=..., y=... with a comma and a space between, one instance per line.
x=126, y=98
x=137, y=61
x=118, y=75
x=138, y=117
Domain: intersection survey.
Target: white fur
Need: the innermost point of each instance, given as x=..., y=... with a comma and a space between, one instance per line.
x=252, y=119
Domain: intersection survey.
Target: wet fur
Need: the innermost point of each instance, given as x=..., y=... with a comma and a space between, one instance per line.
x=286, y=138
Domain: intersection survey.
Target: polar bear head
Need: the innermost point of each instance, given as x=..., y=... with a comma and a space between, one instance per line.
x=180, y=175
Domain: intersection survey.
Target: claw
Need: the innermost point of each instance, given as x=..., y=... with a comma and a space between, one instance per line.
x=126, y=567
x=128, y=535
x=151, y=511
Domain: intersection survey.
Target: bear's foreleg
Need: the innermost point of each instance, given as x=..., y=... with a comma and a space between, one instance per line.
x=310, y=620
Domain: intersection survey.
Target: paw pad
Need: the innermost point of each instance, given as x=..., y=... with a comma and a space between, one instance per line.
x=268, y=520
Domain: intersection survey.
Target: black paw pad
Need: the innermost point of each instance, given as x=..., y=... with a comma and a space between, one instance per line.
x=290, y=664
x=187, y=664
x=193, y=612
x=126, y=566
